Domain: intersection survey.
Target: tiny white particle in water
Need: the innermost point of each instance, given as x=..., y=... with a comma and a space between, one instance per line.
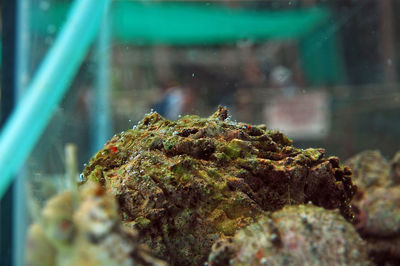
x=193, y=75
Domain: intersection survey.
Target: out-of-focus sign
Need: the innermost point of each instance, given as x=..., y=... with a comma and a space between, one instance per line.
x=301, y=116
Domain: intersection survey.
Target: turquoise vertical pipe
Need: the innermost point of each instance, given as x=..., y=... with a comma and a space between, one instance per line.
x=100, y=109
x=23, y=45
x=48, y=86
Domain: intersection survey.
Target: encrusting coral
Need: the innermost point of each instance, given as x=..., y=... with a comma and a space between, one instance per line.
x=184, y=184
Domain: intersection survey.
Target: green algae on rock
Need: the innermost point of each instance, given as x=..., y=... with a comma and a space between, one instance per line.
x=295, y=235
x=183, y=184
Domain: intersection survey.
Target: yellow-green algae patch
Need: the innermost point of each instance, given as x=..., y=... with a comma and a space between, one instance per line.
x=185, y=183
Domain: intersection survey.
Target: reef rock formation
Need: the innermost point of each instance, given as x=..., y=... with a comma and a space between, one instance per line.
x=295, y=235
x=90, y=234
x=183, y=184
x=377, y=204
x=370, y=169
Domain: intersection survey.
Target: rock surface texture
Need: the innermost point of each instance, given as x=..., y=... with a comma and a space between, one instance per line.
x=184, y=184
x=295, y=235
x=377, y=205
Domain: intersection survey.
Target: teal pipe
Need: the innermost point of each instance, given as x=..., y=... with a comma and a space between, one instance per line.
x=20, y=217
x=48, y=86
x=100, y=114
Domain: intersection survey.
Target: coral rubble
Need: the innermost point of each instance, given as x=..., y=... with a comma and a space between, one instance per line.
x=90, y=234
x=184, y=184
x=295, y=235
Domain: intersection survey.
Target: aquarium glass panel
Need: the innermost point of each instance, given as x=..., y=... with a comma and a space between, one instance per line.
x=297, y=119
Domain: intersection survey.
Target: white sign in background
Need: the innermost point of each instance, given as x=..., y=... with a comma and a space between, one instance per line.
x=301, y=116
